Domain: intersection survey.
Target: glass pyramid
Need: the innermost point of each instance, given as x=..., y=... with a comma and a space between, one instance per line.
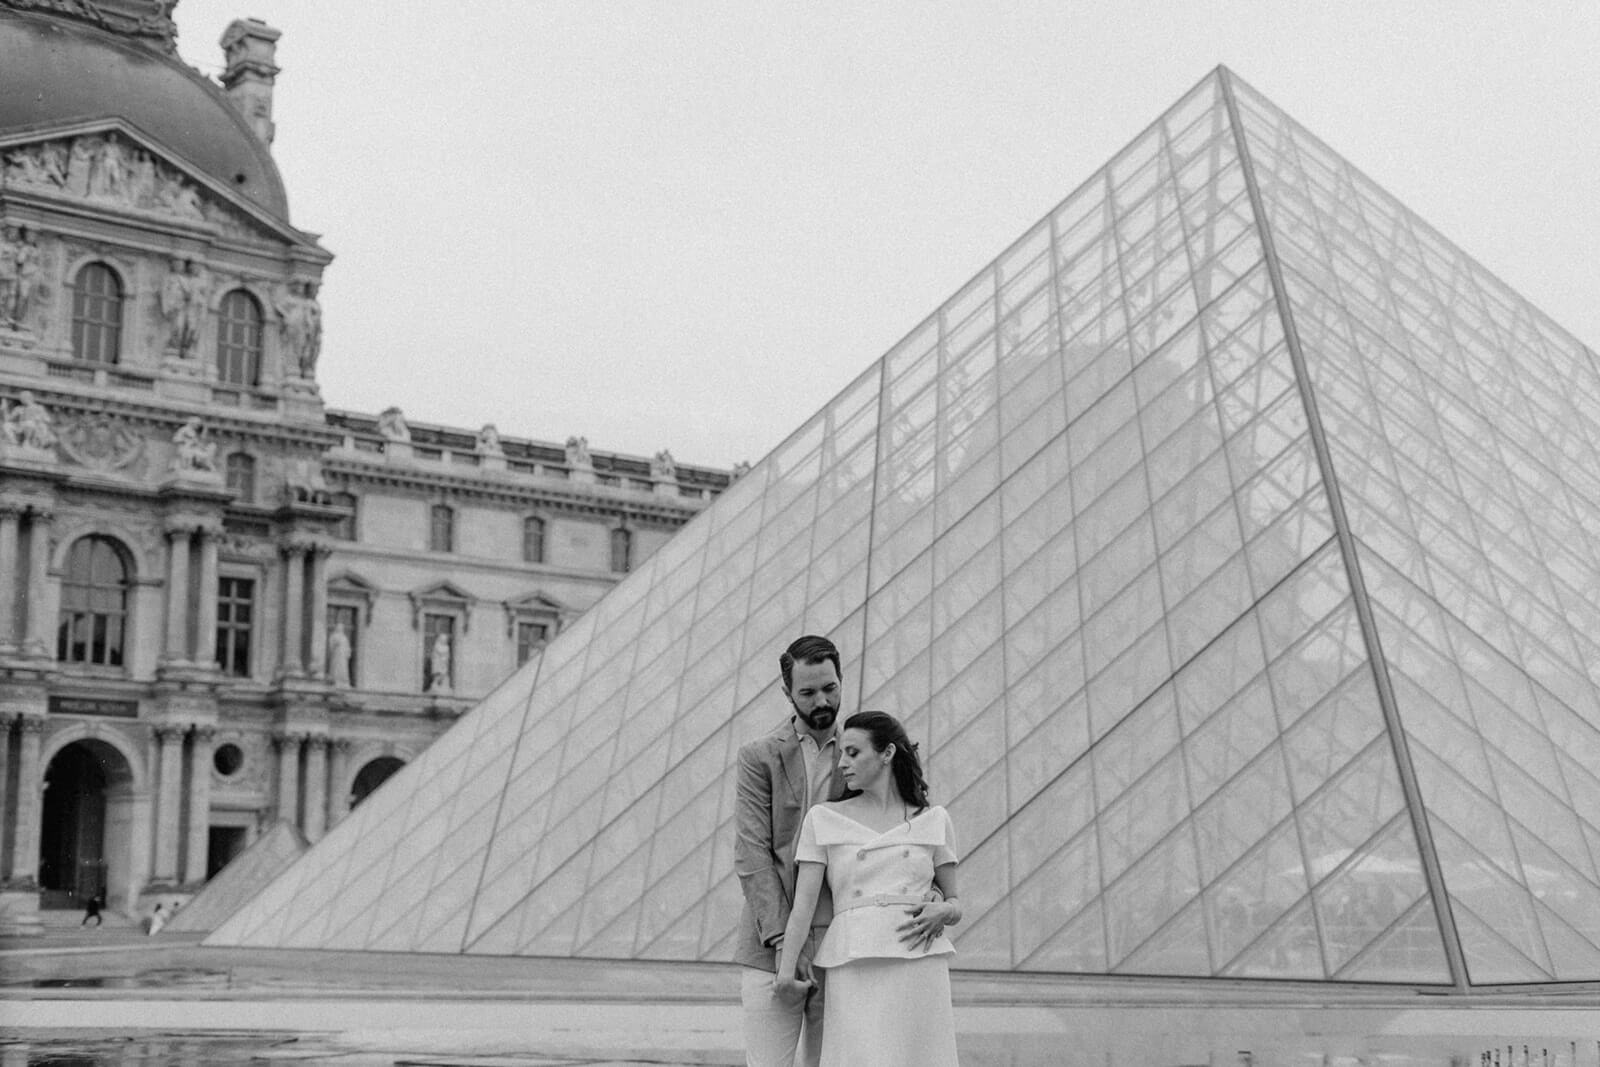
x=1229, y=545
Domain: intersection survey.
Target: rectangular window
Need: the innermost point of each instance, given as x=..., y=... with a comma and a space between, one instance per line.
x=235, y=616
x=345, y=528
x=533, y=539
x=531, y=637
x=343, y=648
x=441, y=529
x=438, y=653
x=621, y=551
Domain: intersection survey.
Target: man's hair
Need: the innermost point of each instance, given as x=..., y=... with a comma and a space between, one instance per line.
x=807, y=649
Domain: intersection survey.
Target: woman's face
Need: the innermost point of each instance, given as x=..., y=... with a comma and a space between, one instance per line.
x=859, y=763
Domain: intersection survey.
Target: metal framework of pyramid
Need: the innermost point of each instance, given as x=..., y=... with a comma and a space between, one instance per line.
x=1229, y=545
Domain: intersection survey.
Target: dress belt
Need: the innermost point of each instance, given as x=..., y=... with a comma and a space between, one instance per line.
x=876, y=900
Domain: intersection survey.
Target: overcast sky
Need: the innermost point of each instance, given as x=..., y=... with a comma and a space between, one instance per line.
x=688, y=225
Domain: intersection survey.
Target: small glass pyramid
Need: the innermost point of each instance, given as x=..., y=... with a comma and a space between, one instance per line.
x=1230, y=545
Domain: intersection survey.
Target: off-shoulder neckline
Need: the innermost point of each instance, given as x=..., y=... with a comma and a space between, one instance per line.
x=829, y=806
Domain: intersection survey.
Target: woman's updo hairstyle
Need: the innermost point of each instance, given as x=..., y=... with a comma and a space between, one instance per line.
x=885, y=730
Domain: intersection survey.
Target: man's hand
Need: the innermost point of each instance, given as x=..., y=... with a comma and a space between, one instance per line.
x=792, y=990
x=925, y=923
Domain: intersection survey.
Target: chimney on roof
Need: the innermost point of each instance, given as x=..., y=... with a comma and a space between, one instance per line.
x=249, y=47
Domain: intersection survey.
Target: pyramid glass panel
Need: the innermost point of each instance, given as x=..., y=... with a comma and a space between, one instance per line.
x=1228, y=546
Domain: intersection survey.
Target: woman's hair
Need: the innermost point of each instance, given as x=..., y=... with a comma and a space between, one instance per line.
x=885, y=730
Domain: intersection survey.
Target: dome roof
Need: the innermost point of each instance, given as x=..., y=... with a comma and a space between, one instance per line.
x=53, y=72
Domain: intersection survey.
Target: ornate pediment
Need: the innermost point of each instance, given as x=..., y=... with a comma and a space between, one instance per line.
x=113, y=166
x=536, y=606
x=441, y=596
x=348, y=585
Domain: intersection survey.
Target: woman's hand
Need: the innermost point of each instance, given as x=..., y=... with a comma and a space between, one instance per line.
x=791, y=990
x=926, y=922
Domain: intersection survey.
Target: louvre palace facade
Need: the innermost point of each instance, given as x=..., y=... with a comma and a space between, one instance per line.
x=1230, y=545
x=222, y=604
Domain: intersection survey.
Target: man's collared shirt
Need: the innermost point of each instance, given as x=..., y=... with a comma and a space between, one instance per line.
x=819, y=760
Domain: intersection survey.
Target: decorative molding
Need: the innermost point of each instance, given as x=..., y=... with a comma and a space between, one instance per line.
x=347, y=586
x=101, y=442
x=108, y=165
x=536, y=607
x=446, y=597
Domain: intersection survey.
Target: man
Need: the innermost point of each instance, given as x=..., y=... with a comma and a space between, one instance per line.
x=780, y=776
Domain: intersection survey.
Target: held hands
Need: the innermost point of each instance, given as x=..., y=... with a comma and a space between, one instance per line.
x=795, y=990
x=792, y=990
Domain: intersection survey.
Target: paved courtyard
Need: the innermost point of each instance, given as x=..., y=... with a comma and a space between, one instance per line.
x=102, y=997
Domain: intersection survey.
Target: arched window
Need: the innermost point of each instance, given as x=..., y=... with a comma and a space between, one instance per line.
x=94, y=603
x=239, y=339
x=533, y=539
x=241, y=470
x=96, y=315
x=441, y=528
x=621, y=551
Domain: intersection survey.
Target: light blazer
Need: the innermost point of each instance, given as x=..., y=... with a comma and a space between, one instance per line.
x=769, y=806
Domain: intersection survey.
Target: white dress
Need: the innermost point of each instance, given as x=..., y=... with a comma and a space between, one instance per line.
x=887, y=1003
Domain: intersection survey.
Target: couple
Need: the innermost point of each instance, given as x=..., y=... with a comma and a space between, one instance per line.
x=849, y=881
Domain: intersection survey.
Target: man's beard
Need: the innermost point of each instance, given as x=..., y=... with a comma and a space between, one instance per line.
x=820, y=718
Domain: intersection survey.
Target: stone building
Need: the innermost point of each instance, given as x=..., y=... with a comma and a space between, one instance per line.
x=221, y=604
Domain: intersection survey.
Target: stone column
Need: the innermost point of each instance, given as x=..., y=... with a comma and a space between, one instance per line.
x=338, y=771
x=205, y=637
x=38, y=576
x=288, y=746
x=5, y=782
x=294, y=607
x=319, y=611
x=169, y=803
x=177, y=649
x=316, y=788
x=194, y=858
x=30, y=790
x=10, y=595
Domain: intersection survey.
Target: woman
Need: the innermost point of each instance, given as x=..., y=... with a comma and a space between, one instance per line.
x=880, y=848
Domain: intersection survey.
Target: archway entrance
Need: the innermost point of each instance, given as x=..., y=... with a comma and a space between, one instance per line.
x=83, y=846
x=372, y=776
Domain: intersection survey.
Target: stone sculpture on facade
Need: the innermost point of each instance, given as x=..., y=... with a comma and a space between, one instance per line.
x=578, y=453
x=184, y=296
x=339, y=653
x=26, y=424
x=303, y=483
x=489, y=441
x=439, y=664
x=301, y=326
x=19, y=274
x=392, y=424
x=194, y=452
x=663, y=468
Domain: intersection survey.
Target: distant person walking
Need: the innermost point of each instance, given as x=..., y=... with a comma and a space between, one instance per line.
x=91, y=909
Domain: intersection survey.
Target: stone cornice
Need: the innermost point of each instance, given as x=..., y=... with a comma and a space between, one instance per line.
x=586, y=500
x=98, y=224
x=165, y=414
x=349, y=554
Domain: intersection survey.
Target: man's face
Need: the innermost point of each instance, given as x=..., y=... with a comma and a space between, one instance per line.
x=814, y=692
